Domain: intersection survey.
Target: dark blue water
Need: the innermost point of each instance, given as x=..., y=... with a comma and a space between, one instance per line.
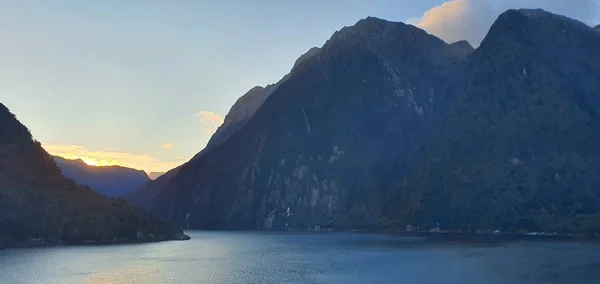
x=259, y=257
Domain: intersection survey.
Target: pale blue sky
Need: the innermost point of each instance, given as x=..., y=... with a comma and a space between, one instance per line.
x=122, y=78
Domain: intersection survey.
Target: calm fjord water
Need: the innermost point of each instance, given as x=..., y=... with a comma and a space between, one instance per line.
x=261, y=257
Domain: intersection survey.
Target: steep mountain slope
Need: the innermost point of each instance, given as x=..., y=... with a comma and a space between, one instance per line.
x=144, y=195
x=237, y=117
x=245, y=107
x=517, y=150
x=37, y=202
x=320, y=148
x=109, y=181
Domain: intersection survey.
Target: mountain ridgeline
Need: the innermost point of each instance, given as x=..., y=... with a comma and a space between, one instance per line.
x=244, y=108
x=387, y=126
x=109, y=180
x=39, y=206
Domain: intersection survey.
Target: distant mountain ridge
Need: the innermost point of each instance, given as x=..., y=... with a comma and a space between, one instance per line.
x=144, y=195
x=155, y=175
x=107, y=180
x=38, y=206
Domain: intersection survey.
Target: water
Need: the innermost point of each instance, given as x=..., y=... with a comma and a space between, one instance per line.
x=260, y=257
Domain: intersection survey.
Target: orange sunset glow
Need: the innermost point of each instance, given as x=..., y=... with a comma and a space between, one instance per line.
x=101, y=158
x=89, y=160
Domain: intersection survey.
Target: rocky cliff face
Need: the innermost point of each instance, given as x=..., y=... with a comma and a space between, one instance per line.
x=38, y=205
x=388, y=126
x=109, y=181
x=517, y=149
x=326, y=142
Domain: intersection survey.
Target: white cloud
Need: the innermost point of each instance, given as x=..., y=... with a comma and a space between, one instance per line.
x=210, y=121
x=471, y=19
x=170, y=145
x=108, y=158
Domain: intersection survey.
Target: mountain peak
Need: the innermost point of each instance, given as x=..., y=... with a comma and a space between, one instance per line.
x=370, y=27
x=543, y=16
x=535, y=27
x=462, y=47
x=462, y=44
x=310, y=53
x=381, y=37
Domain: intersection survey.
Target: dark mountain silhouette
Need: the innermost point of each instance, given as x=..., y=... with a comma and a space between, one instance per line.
x=339, y=126
x=517, y=150
x=109, y=180
x=144, y=195
x=39, y=206
x=462, y=47
x=245, y=107
x=388, y=126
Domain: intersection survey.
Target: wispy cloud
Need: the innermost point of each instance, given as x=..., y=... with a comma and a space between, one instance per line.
x=107, y=158
x=170, y=145
x=210, y=121
x=471, y=19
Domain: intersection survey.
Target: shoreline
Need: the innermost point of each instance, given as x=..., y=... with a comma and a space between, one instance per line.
x=459, y=236
x=54, y=242
x=478, y=237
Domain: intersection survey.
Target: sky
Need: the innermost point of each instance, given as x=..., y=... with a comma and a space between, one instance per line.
x=144, y=83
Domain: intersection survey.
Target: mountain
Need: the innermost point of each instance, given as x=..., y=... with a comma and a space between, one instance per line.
x=109, y=181
x=518, y=148
x=144, y=195
x=155, y=175
x=342, y=125
x=245, y=107
x=389, y=127
x=598, y=27
x=237, y=117
x=39, y=206
x=462, y=47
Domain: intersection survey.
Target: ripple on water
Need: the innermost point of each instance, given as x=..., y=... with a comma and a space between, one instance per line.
x=262, y=257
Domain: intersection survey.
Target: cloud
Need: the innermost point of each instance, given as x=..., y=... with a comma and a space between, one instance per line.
x=109, y=158
x=170, y=145
x=210, y=121
x=471, y=19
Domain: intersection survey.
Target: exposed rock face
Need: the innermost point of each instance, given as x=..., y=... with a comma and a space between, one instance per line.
x=518, y=148
x=390, y=127
x=39, y=206
x=326, y=142
x=109, y=181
